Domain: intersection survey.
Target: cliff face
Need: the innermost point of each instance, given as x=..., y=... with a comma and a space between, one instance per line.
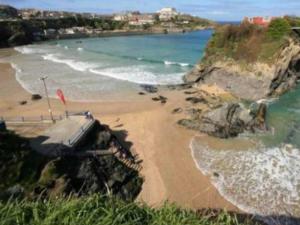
x=251, y=62
x=256, y=80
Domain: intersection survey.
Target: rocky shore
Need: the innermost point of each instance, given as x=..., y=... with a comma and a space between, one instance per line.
x=260, y=79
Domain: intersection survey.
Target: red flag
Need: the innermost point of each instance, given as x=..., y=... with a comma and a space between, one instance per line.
x=61, y=96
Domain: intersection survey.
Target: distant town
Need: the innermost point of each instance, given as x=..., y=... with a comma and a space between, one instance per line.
x=37, y=24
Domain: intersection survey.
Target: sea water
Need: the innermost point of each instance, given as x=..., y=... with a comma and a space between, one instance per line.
x=262, y=177
x=90, y=69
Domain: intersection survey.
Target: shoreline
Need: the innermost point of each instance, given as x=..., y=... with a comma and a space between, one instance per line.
x=153, y=133
x=113, y=33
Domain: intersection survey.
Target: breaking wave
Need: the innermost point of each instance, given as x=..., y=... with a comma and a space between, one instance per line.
x=262, y=181
x=28, y=50
x=139, y=75
x=76, y=65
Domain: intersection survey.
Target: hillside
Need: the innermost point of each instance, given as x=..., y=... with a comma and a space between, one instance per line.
x=25, y=173
x=267, y=57
x=20, y=32
x=8, y=12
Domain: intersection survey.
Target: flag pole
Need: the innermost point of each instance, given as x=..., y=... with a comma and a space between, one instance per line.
x=47, y=97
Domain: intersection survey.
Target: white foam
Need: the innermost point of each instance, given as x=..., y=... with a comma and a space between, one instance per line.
x=66, y=47
x=80, y=49
x=18, y=74
x=263, y=181
x=29, y=50
x=139, y=75
x=176, y=63
x=76, y=65
x=267, y=101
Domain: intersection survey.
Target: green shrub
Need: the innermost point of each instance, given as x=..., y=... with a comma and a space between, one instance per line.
x=278, y=28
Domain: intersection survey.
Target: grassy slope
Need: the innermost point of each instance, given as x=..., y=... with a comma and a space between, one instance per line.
x=96, y=210
x=248, y=43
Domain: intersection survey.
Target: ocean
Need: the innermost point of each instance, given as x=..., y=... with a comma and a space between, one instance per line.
x=97, y=68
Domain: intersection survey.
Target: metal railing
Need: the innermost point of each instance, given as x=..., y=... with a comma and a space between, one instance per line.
x=30, y=119
x=82, y=131
x=41, y=118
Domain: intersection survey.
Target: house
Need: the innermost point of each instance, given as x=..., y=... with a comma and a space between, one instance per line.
x=259, y=20
x=29, y=13
x=125, y=16
x=166, y=14
x=142, y=19
x=120, y=17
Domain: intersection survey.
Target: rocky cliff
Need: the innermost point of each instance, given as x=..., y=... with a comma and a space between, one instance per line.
x=253, y=81
x=250, y=69
x=250, y=63
x=26, y=173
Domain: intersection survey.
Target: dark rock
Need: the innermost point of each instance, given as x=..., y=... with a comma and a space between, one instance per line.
x=194, y=113
x=260, y=117
x=190, y=92
x=141, y=93
x=156, y=99
x=160, y=98
x=18, y=38
x=23, y=102
x=149, y=88
x=286, y=77
x=2, y=126
x=91, y=175
x=177, y=110
x=36, y=97
x=196, y=100
x=190, y=124
x=179, y=87
x=227, y=121
x=216, y=174
x=103, y=140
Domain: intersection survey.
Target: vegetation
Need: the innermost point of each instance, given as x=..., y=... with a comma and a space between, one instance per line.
x=19, y=165
x=248, y=43
x=96, y=210
x=7, y=12
x=16, y=32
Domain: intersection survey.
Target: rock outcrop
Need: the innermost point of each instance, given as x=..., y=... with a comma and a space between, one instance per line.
x=253, y=81
x=101, y=165
x=227, y=121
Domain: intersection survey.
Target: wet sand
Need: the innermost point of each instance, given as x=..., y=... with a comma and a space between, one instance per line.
x=149, y=128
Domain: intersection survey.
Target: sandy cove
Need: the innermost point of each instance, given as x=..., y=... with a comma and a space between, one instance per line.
x=150, y=127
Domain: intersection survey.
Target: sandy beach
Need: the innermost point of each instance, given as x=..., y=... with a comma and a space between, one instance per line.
x=150, y=129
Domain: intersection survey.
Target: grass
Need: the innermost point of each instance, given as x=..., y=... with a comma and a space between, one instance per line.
x=97, y=210
x=248, y=43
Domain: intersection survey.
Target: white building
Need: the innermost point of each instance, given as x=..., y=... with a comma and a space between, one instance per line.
x=166, y=14
x=120, y=17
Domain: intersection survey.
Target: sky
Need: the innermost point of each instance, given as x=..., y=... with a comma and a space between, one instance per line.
x=219, y=10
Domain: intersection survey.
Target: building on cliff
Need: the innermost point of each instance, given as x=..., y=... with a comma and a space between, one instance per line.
x=166, y=14
x=139, y=20
x=260, y=20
